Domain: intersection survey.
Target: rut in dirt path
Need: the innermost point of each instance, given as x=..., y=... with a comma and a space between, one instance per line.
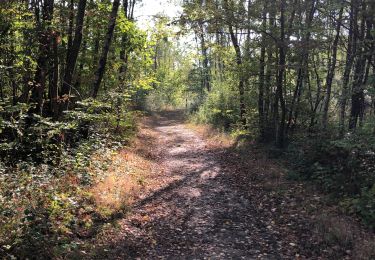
x=197, y=214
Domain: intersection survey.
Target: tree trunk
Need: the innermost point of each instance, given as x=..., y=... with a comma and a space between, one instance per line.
x=54, y=77
x=269, y=74
x=73, y=51
x=78, y=82
x=357, y=103
x=124, y=44
x=369, y=53
x=318, y=98
x=280, y=133
x=350, y=53
x=331, y=70
x=206, y=70
x=241, y=87
x=42, y=61
x=302, y=70
x=262, y=74
x=107, y=43
x=70, y=24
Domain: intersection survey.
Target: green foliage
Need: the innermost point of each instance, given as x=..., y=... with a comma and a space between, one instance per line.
x=345, y=169
x=44, y=207
x=364, y=205
x=219, y=107
x=172, y=85
x=46, y=168
x=46, y=149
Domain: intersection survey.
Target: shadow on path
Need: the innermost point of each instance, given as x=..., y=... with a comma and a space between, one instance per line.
x=200, y=212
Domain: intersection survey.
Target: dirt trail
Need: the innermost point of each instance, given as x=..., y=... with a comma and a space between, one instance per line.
x=202, y=210
x=197, y=215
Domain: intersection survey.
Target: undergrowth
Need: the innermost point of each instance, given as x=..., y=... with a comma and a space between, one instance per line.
x=50, y=176
x=343, y=168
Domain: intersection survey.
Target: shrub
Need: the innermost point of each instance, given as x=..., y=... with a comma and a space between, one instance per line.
x=346, y=169
x=219, y=108
x=45, y=173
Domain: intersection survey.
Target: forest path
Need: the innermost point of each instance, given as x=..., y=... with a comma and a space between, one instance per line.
x=202, y=208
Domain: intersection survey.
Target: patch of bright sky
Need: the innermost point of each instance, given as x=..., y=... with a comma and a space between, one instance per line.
x=147, y=9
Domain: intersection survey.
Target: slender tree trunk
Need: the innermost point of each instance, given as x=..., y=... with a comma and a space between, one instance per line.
x=107, y=43
x=70, y=24
x=350, y=53
x=131, y=9
x=54, y=77
x=96, y=42
x=206, y=70
x=27, y=76
x=317, y=99
x=268, y=83
x=1, y=88
x=331, y=70
x=280, y=133
x=78, y=81
x=241, y=85
x=73, y=51
x=42, y=61
x=302, y=70
x=369, y=53
x=357, y=103
x=269, y=74
x=124, y=43
x=262, y=74
x=11, y=74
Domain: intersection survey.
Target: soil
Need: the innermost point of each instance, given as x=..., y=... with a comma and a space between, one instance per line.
x=206, y=201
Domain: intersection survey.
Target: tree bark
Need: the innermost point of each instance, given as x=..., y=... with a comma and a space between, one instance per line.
x=54, y=77
x=357, y=104
x=78, y=81
x=318, y=98
x=206, y=69
x=303, y=67
x=350, y=53
x=70, y=24
x=331, y=70
x=42, y=61
x=73, y=51
x=107, y=43
x=262, y=74
x=241, y=85
x=280, y=129
x=124, y=43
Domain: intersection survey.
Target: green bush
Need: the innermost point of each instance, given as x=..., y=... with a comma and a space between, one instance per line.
x=219, y=109
x=364, y=205
x=345, y=168
x=45, y=171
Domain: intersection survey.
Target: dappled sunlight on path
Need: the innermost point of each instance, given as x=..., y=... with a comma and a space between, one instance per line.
x=196, y=213
x=204, y=200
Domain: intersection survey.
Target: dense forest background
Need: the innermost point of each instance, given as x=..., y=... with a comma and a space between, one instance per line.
x=297, y=76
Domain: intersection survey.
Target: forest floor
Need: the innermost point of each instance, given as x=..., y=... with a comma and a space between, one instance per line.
x=207, y=198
